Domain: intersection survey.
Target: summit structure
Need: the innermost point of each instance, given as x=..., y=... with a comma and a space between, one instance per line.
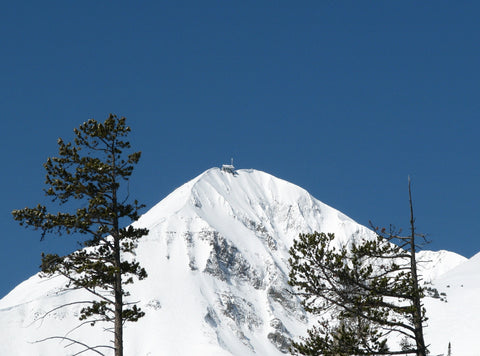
x=229, y=168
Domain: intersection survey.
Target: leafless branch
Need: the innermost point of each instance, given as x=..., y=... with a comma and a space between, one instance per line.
x=73, y=342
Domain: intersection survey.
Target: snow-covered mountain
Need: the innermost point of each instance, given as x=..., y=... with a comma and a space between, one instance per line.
x=217, y=256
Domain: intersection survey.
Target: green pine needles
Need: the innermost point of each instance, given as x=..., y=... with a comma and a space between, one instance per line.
x=366, y=294
x=91, y=173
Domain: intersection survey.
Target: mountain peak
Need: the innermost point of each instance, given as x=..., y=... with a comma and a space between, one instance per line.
x=217, y=260
x=251, y=197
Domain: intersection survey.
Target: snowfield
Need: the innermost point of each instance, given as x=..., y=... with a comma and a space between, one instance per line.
x=217, y=259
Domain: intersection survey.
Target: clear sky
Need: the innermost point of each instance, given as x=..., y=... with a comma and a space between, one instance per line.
x=344, y=98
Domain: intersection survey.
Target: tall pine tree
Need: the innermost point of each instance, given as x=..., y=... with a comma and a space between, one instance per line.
x=88, y=179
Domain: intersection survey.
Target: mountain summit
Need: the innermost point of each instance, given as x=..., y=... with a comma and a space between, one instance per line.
x=217, y=263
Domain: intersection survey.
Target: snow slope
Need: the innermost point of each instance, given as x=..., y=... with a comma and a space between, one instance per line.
x=217, y=257
x=456, y=319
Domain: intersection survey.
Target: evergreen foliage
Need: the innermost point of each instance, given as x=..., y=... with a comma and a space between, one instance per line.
x=364, y=293
x=91, y=172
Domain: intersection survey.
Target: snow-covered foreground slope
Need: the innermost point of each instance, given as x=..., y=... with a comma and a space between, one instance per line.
x=455, y=318
x=217, y=257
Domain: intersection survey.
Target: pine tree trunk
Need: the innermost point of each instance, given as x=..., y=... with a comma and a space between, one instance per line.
x=118, y=290
x=417, y=305
x=118, y=316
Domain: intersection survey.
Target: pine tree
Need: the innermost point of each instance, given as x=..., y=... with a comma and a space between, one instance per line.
x=370, y=290
x=90, y=173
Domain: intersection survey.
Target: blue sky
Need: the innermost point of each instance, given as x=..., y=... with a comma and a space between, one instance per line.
x=344, y=98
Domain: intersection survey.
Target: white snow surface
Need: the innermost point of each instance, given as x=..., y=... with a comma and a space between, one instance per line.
x=217, y=263
x=433, y=264
x=457, y=318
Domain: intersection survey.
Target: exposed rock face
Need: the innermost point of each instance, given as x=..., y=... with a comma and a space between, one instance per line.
x=280, y=337
x=226, y=263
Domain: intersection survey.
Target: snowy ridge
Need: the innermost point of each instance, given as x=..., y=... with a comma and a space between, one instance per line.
x=434, y=264
x=217, y=257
